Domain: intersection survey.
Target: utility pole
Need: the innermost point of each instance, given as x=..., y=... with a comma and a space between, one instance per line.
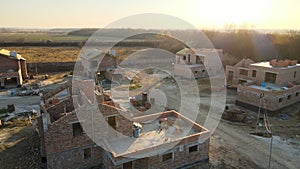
x=258, y=114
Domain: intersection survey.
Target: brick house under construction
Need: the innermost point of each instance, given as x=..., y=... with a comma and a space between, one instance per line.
x=94, y=61
x=66, y=139
x=198, y=63
x=13, y=69
x=277, y=83
x=238, y=74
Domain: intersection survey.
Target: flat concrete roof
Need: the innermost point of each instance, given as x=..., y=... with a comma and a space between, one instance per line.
x=154, y=134
x=269, y=87
x=267, y=65
x=195, y=65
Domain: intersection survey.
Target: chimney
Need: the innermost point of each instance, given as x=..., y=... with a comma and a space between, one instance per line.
x=144, y=98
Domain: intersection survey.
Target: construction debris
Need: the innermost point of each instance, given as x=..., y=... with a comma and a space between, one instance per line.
x=235, y=115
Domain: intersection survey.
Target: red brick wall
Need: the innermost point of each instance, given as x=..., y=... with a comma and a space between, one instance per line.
x=59, y=136
x=107, y=61
x=74, y=158
x=57, y=109
x=6, y=64
x=64, y=150
x=124, y=125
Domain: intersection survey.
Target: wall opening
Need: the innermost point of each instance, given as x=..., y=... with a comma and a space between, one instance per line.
x=230, y=77
x=112, y=122
x=193, y=148
x=270, y=77
x=166, y=157
x=244, y=72
x=128, y=165
x=254, y=73
x=87, y=153
x=77, y=129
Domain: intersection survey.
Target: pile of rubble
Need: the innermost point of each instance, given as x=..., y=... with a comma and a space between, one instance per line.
x=142, y=105
x=7, y=115
x=29, y=90
x=235, y=115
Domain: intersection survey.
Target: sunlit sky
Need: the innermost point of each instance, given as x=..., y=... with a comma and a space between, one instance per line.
x=259, y=14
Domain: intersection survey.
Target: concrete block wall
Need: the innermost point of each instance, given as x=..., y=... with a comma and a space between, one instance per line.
x=190, y=72
x=237, y=75
x=284, y=75
x=271, y=101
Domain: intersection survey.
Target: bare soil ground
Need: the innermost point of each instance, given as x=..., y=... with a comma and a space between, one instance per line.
x=231, y=144
x=19, y=141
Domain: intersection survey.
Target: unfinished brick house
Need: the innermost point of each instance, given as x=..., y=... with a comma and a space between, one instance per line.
x=65, y=141
x=196, y=63
x=13, y=69
x=92, y=63
x=238, y=74
x=277, y=82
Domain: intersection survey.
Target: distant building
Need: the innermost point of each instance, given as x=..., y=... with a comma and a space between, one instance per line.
x=196, y=63
x=238, y=74
x=13, y=69
x=276, y=82
x=95, y=61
